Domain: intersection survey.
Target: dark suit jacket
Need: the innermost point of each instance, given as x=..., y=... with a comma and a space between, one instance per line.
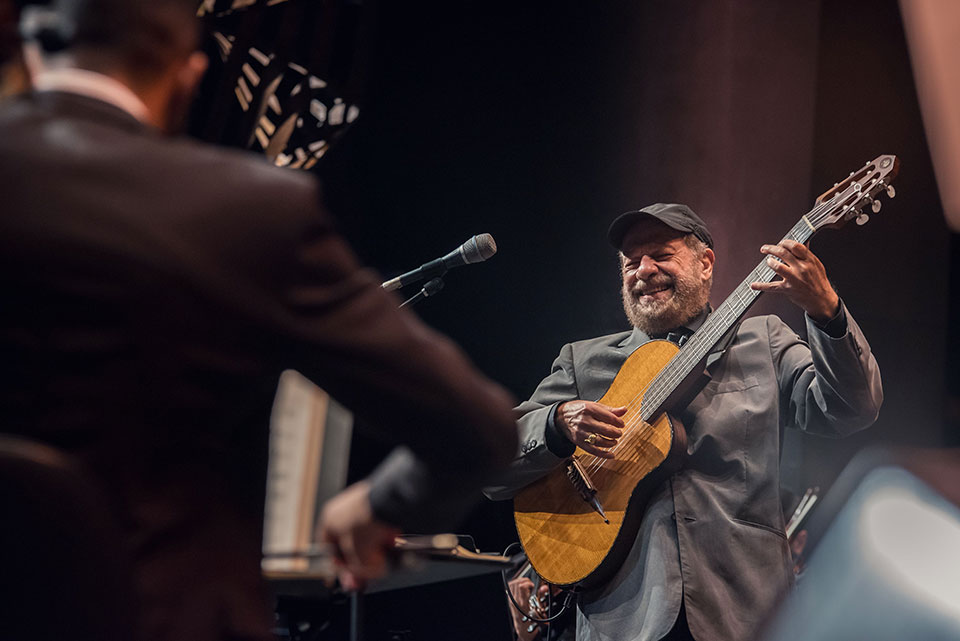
x=714, y=534
x=153, y=290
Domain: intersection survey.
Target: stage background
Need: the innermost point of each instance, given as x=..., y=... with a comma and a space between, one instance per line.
x=540, y=122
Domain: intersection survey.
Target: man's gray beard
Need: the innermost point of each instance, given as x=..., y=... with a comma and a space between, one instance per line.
x=657, y=317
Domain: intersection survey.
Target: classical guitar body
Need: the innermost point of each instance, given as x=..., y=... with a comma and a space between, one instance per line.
x=565, y=539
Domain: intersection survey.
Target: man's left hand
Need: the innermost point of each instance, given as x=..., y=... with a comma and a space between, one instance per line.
x=803, y=279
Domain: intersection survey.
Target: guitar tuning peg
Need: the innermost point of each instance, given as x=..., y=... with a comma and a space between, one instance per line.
x=875, y=206
x=891, y=192
x=862, y=219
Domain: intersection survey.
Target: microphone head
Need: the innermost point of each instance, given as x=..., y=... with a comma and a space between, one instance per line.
x=479, y=248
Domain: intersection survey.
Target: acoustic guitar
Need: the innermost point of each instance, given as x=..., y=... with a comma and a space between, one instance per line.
x=577, y=523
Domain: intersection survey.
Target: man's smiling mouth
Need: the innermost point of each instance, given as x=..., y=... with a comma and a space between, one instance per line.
x=653, y=291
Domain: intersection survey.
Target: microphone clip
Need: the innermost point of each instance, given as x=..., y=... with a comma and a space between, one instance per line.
x=431, y=288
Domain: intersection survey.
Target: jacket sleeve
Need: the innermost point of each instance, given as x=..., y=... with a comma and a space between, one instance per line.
x=541, y=447
x=830, y=386
x=331, y=320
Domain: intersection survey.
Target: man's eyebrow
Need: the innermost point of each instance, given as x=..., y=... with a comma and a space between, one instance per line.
x=648, y=248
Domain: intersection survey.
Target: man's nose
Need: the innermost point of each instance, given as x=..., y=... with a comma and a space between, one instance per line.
x=648, y=267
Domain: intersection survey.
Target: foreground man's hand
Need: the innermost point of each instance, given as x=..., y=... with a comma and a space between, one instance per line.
x=803, y=279
x=593, y=427
x=359, y=541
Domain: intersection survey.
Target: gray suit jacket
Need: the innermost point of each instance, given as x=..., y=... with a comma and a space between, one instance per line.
x=714, y=534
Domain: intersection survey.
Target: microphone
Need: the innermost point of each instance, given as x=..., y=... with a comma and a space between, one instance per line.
x=476, y=250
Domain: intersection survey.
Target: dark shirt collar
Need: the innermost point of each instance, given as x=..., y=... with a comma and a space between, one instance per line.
x=638, y=337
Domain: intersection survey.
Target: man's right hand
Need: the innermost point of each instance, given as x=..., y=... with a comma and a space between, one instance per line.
x=593, y=427
x=360, y=542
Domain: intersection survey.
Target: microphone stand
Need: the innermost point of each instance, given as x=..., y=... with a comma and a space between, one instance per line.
x=429, y=289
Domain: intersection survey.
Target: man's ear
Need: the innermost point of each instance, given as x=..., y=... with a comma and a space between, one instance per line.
x=707, y=262
x=191, y=73
x=183, y=85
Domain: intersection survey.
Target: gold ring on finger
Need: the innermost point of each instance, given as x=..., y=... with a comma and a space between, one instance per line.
x=591, y=438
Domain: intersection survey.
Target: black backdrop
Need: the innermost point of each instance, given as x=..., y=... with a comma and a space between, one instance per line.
x=539, y=122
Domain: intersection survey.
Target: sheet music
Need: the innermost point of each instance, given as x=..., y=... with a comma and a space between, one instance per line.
x=309, y=453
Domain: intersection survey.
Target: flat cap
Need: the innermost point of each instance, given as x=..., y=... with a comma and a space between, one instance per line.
x=676, y=216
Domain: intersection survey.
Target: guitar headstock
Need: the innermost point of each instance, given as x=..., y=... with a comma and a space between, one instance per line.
x=847, y=199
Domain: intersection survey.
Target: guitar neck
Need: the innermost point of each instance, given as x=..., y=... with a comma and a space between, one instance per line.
x=688, y=360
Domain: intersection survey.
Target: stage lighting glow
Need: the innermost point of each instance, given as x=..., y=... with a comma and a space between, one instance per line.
x=916, y=545
x=886, y=569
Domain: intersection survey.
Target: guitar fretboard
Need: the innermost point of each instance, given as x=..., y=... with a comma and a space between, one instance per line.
x=714, y=329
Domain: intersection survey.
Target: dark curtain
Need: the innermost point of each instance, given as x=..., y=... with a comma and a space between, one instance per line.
x=540, y=122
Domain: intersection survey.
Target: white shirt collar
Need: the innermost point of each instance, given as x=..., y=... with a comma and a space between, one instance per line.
x=93, y=85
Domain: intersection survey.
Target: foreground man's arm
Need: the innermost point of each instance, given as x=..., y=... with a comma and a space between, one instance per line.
x=452, y=426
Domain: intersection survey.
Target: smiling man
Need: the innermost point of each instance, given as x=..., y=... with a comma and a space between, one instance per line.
x=666, y=274
x=711, y=556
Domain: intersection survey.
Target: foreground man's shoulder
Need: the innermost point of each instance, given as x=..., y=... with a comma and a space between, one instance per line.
x=229, y=168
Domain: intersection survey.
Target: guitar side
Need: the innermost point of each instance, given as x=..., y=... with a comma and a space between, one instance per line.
x=566, y=541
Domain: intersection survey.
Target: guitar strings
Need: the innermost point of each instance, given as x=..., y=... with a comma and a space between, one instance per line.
x=679, y=366
x=674, y=372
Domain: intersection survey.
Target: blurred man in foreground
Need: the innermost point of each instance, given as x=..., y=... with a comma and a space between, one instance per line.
x=154, y=289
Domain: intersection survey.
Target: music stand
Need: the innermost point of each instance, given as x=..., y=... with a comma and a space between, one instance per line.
x=422, y=599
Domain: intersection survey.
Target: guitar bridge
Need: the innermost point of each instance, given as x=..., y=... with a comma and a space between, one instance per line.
x=584, y=486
